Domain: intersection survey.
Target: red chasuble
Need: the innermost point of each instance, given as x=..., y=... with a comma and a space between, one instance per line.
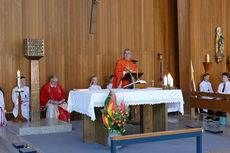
x=51, y=93
x=122, y=66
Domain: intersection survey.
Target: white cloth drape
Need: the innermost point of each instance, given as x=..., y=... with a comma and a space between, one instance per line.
x=85, y=101
x=52, y=110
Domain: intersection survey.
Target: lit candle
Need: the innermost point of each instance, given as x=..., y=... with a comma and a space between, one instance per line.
x=19, y=80
x=207, y=58
x=170, y=80
x=165, y=80
x=171, y=83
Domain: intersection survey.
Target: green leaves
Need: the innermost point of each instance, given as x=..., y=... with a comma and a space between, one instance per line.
x=107, y=100
x=104, y=111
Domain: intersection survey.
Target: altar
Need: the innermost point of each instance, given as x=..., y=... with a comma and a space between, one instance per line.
x=153, y=103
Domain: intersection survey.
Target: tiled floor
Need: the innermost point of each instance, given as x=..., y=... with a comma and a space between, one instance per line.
x=175, y=122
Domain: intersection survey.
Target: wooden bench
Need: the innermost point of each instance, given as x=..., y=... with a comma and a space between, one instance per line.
x=198, y=100
x=158, y=136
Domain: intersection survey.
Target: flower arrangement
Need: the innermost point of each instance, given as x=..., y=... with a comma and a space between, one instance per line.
x=114, y=118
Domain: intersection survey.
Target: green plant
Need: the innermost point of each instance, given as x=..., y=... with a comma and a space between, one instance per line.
x=228, y=59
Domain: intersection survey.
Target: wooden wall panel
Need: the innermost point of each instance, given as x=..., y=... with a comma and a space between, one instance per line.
x=199, y=26
x=184, y=50
x=147, y=27
x=205, y=16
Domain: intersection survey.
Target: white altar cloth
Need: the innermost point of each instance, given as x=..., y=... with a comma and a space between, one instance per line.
x=84, y=101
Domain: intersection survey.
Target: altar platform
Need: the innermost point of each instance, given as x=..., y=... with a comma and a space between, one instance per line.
x=44, y=126
x=14, y=131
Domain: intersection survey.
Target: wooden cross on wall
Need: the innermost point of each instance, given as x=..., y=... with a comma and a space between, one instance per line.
x=93, y=20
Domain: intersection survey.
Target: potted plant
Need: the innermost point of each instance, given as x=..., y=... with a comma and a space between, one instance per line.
x=228, y=63
x=114, y=117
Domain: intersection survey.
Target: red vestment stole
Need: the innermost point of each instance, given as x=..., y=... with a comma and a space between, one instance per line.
x=121, y=66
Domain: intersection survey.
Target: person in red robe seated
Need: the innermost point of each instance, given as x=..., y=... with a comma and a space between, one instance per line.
x=123, y=66
x=53, y=98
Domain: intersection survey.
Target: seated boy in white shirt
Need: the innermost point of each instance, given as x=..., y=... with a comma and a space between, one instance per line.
x=223, y=88
x=205, y=86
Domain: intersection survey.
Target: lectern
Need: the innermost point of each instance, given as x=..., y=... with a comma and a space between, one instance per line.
x=133, y=78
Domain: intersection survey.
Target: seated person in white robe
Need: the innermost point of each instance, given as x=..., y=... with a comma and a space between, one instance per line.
x=110, y=85
x=205, y=86
x=25, y=98
x=3, y=120
x=93, y=84
x=53, y=98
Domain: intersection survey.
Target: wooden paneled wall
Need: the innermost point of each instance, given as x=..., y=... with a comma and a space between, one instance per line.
x=205, y=16
x=184, y=51
x=147, y=27
x=199, y=20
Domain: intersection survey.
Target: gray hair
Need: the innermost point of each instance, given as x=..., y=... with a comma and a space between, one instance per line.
x=54, y=77
x=127, y=49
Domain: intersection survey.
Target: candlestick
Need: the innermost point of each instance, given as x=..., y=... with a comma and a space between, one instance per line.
x=19, y=80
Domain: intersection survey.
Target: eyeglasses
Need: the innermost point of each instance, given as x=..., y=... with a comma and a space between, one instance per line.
x=54, y=81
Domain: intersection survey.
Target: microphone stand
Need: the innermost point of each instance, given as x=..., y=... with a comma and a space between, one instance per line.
x=132, y=79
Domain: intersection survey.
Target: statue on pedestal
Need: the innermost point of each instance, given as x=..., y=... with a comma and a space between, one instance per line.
x=219, y=45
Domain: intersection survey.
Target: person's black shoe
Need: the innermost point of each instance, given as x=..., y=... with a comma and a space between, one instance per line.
x=208, y=118
x=216, y=119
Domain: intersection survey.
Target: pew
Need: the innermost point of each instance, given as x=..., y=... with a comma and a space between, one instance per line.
x=158, y=136
x=197, y=100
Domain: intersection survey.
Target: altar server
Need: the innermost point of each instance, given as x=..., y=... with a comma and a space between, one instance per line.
x=93, y=83
x=110, y=85
x=25, y=99
x=3, y=120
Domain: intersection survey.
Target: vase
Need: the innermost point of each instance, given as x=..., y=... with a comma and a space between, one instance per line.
x=113, y=134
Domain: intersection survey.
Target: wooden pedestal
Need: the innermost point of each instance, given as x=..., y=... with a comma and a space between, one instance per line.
x=228, y=66
x=207, y=66
x=153, y=118
x=35, y=93
x=93, y=130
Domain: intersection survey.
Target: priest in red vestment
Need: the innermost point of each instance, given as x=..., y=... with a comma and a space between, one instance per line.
x=122, y=66
x=53, y=98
